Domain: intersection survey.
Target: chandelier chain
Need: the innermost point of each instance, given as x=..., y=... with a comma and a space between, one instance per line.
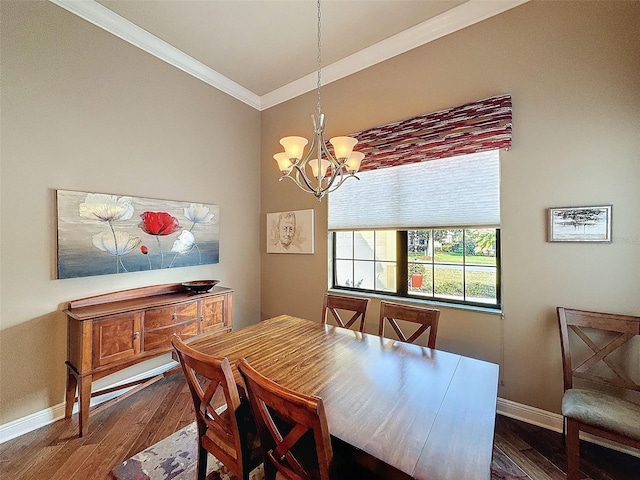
x=319, y=58
x=328, y=170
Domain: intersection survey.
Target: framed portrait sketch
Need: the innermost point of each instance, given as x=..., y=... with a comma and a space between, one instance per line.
x=290, y=232
x=101, y=234
x=580, y=224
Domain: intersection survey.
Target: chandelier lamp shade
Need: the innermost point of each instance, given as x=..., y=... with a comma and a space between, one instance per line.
x=318, y=171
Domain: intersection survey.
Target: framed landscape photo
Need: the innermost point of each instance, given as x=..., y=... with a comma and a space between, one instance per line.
x=580, y=224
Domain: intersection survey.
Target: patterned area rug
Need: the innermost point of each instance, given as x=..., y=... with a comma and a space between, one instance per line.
x=174, y=458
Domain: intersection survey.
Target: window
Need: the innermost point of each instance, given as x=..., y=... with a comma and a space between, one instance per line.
x=423, y=221
x=426, y=230
x=460, y=265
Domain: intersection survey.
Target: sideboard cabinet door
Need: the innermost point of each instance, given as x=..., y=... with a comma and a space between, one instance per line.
x=116, y=339
x=214, y=313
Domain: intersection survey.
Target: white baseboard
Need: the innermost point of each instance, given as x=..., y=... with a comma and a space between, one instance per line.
x=553, y=421
x=518, y=411
x=49, y=415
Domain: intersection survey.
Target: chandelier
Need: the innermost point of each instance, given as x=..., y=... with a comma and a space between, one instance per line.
x=318, y=171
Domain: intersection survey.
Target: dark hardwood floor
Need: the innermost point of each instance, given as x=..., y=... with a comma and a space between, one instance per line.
x=54, y=452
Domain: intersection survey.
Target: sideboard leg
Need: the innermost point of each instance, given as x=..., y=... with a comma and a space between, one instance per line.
x=72, y=383
x=84, y=393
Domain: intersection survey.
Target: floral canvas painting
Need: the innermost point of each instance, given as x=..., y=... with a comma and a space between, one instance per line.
x=101, y=234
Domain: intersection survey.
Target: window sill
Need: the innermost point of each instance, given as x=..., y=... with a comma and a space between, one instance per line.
x=418, y=301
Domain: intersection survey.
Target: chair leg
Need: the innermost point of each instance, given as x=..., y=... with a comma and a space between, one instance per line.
x=573, y=450
x=202, y=462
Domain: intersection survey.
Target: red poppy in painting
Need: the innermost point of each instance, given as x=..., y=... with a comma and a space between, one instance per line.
x=159, y=223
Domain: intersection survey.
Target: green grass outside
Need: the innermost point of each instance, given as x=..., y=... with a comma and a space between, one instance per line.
x=449, y=282
x=450, y=258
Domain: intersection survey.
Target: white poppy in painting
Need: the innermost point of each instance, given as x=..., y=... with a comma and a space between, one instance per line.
x=115, y=243
x=185, y=243
x=198, y=213
x=106, y=208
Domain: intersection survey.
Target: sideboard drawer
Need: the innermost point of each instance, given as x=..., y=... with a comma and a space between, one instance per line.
x=164, y=317
x=160, y=338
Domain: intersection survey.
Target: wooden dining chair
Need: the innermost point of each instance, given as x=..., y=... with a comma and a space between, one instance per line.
x=288, y=423
x=607, y=404
x=334, y=304
x=426, y=318
x=229, y=435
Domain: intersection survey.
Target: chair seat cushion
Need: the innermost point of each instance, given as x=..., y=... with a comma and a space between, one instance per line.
x=603, y=411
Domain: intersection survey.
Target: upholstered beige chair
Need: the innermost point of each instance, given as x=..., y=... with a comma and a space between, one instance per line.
x=607, y=404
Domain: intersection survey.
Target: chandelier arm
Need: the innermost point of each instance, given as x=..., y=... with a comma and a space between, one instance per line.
x=342, y=180
x=300, y=167
x=337, y=168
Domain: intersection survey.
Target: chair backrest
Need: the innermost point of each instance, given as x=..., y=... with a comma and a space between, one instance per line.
x=333, y=303
x=427, y=318
x=219, y=432
x=601, y=334
x=287, y=421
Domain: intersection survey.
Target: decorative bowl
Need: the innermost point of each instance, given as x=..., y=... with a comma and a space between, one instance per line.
x=200, y=286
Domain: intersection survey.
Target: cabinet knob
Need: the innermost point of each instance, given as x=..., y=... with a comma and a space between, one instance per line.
x=202, y=317
x=136, y=335
x=175, y=316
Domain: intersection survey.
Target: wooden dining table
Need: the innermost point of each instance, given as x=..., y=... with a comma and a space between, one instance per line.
x=408, y=411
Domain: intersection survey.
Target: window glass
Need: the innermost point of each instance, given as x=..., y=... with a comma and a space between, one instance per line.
x=452, y=265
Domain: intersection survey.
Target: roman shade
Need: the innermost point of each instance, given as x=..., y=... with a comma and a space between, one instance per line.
x=438, y=169
x=462, y=191
x=470, y=128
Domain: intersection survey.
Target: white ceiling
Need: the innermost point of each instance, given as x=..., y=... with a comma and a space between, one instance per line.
x=264, y=52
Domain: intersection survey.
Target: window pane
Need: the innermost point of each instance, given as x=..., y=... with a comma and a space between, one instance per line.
x=420, y=245
x=363, y=275
x=386, y=245
x=363, y=243
x=420, y=276
x=344, y=273
x=344, y=244
x=448, y=281
x=386, y=276
x=480, y=245
x=480, y=284
x=448, y=246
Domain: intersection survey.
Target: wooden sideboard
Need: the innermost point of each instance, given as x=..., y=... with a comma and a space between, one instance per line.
x=109, y=332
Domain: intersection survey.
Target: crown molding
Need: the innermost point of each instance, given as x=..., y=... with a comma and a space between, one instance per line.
x=113, y=23
x=462, y=16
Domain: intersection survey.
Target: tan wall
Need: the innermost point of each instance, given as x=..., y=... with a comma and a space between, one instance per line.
x=83, y=110
x=572, y=69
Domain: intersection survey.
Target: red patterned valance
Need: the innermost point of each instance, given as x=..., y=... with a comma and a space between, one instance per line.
x=469, y=128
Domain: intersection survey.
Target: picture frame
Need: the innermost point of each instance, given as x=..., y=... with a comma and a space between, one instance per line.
x=290, y=232
x=103, y=234
x=590, y=224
